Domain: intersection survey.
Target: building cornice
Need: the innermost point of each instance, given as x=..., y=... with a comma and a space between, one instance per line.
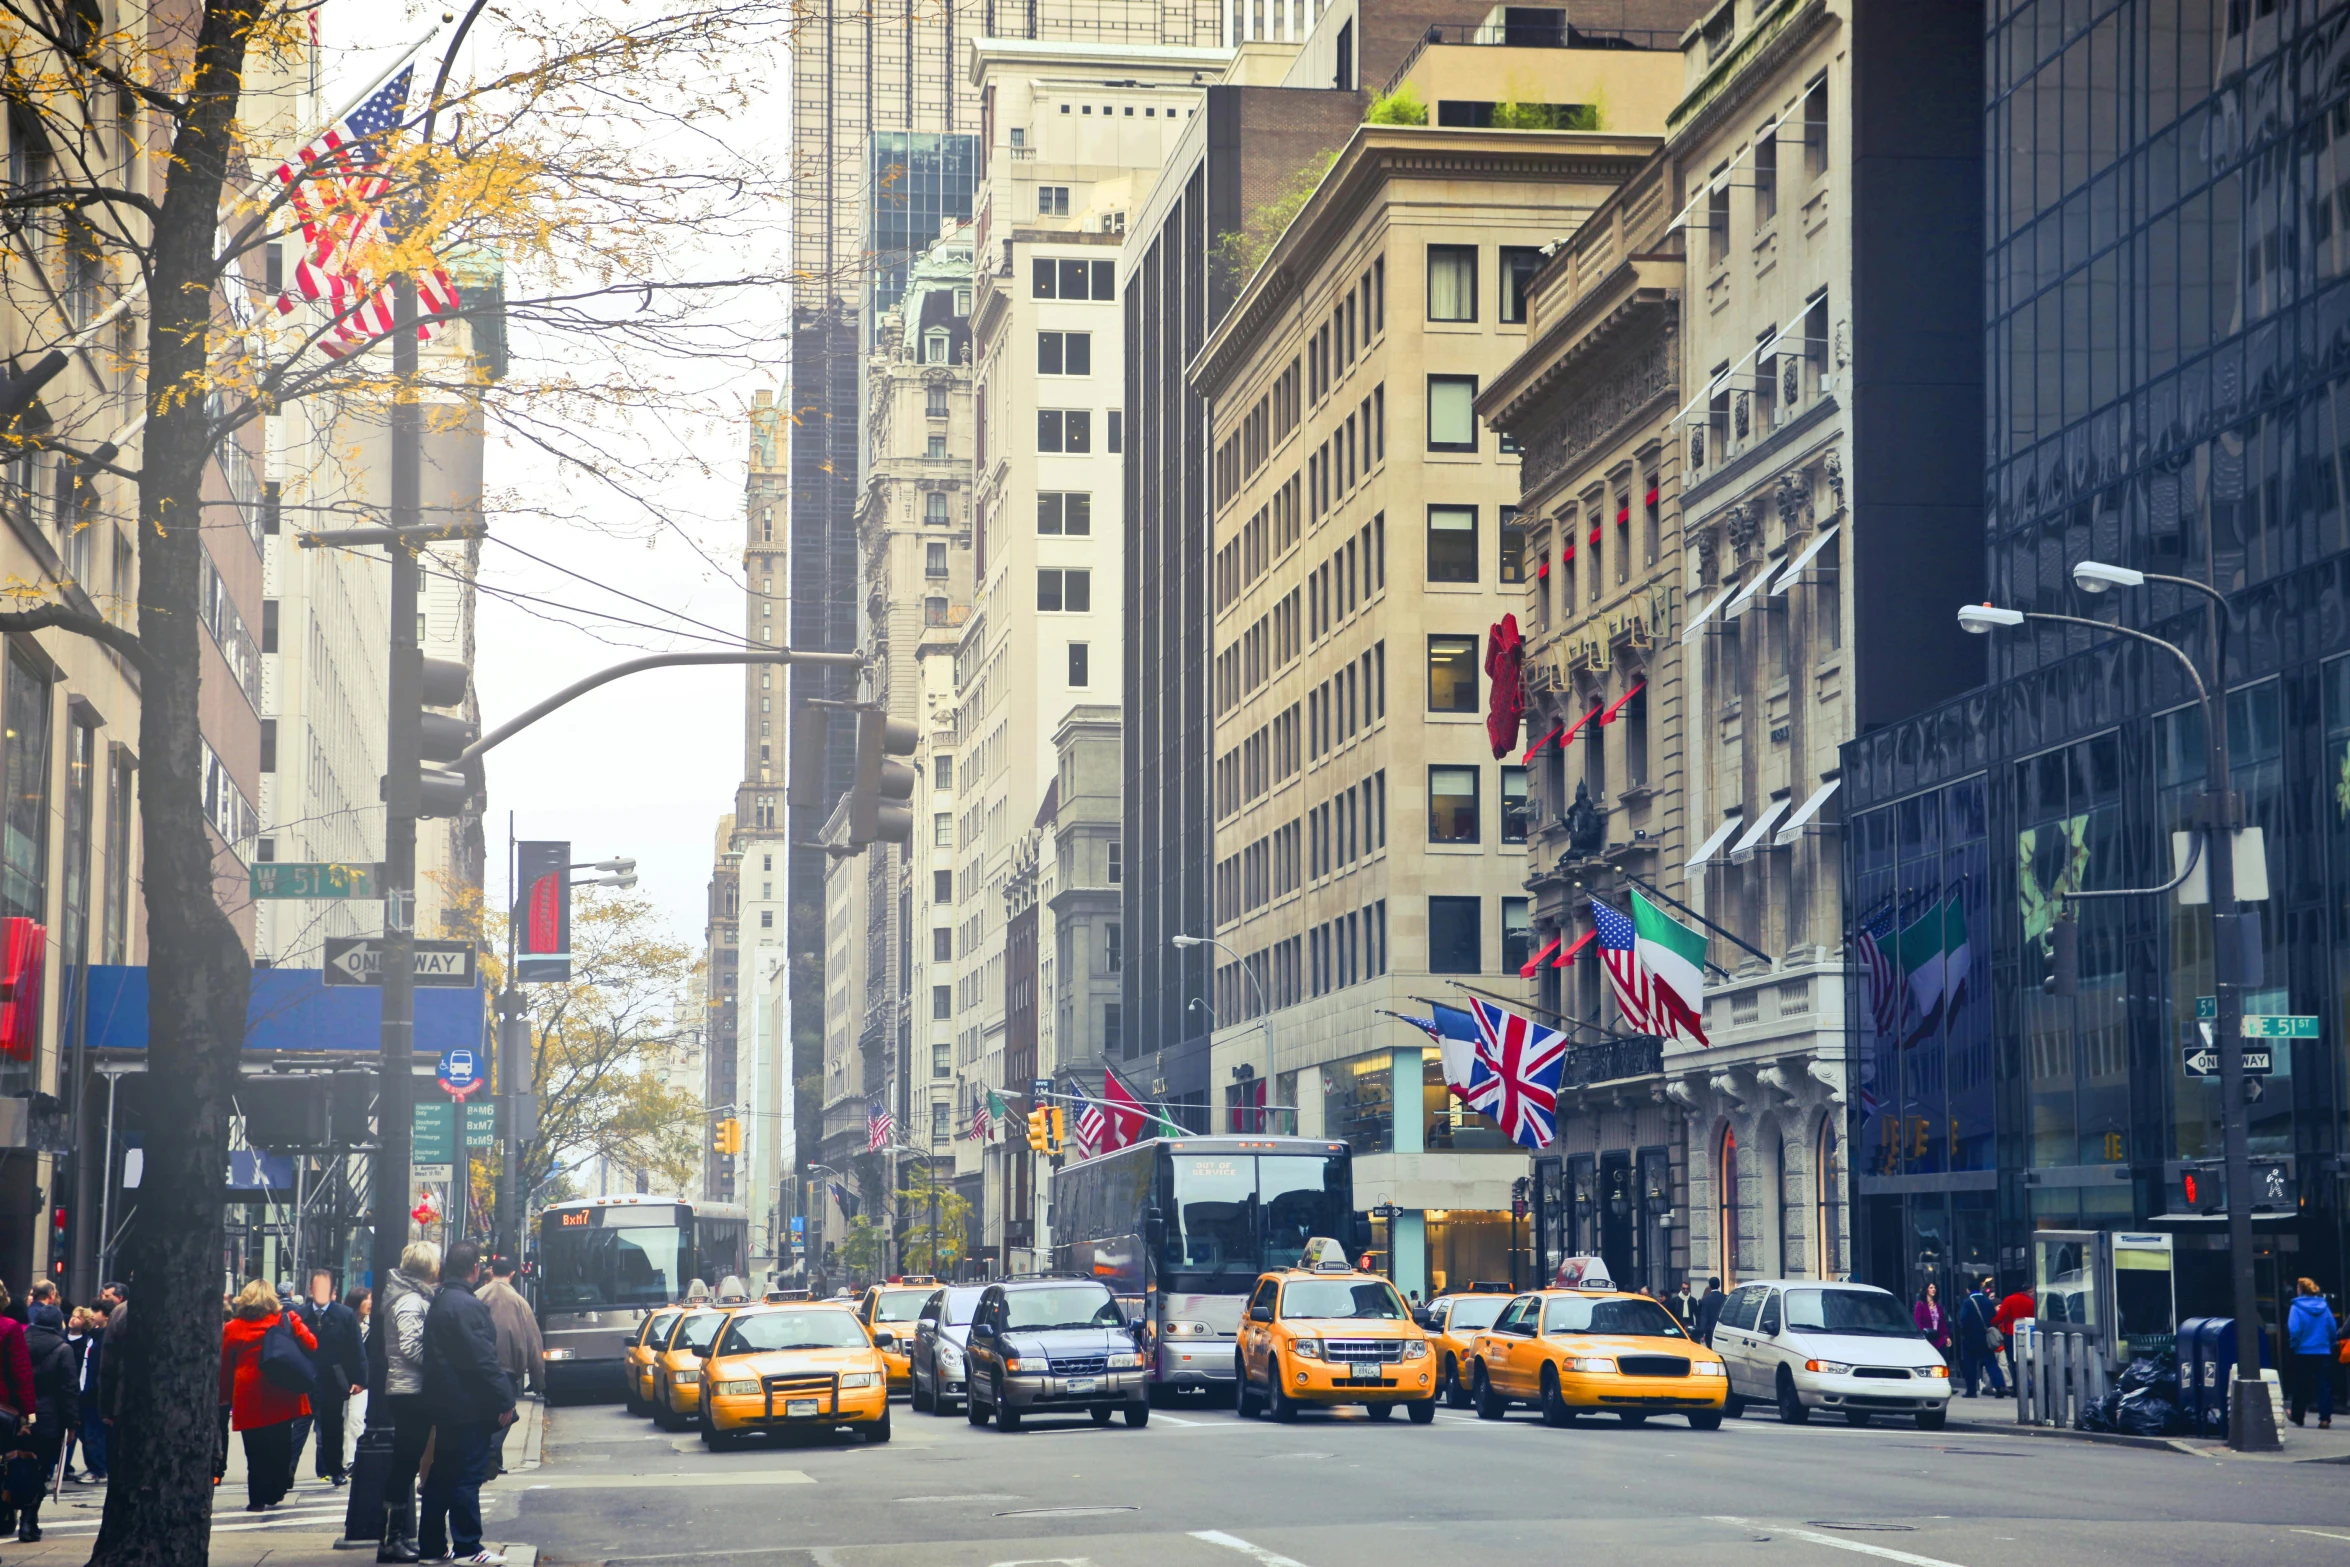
x=1372, y=157
x=1756, y=61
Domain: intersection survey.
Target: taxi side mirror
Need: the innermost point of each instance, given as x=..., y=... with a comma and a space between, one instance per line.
x=883, y=1340
x=1260, y=1313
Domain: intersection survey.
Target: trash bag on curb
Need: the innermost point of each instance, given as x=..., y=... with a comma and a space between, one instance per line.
x=2144, y=1372
x=2101, y=1415
x=2146, y=1413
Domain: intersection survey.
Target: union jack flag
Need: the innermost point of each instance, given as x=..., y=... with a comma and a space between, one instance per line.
x=879, y=1123
x=1522, y=1095
x=336, y=186
x=1885, y=987
x=1627, y=976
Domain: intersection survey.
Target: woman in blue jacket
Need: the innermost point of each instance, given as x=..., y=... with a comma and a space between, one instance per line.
x=2310, y=1332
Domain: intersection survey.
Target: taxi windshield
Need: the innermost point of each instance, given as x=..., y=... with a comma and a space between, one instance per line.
x=1863, y=1313
x=900, y=1305
x=1478, y=1311
x=696, y=1331
x=657, y=1329
x=1636, y=1318
x=1078, y=1306
x=1373, y=1299
x=770, y=1330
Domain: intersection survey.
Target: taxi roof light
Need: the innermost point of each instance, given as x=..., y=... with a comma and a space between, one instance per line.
x=1324, y=1255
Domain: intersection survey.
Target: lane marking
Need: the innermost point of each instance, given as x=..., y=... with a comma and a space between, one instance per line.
x=2321, y=1534
x=1233, y=1542
x=1882, y=1552
x=660, y=1482
x=1176, y=1420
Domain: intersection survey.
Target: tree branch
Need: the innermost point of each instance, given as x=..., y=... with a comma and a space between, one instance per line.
x=45, y=616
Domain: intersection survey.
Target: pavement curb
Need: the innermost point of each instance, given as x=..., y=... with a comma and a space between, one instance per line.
x=534, y=1433
x=2162, y=1444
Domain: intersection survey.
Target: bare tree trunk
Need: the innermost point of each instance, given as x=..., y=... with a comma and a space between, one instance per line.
x=159, y=1507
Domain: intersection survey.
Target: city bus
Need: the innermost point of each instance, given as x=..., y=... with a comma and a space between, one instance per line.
x=1180, y=1228
x=604, y=1262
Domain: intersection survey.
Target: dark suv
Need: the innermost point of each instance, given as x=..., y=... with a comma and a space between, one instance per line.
x=1047, y=1345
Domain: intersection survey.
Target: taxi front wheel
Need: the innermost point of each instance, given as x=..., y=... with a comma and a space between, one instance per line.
x=1422, y=1411
x=1705, y=1420
x=1490, y=1405
x=1284, y=1408
x=878, y=1432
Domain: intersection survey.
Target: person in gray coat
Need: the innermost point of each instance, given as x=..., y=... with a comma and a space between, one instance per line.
x=407, y=1296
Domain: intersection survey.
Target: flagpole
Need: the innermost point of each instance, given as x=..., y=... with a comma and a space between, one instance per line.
x=1702, y=920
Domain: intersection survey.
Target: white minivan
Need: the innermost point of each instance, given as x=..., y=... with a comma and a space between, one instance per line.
x=1806, y=1344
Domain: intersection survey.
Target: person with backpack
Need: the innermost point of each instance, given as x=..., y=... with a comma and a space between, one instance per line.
x=55, y=1407
x=264, y=1379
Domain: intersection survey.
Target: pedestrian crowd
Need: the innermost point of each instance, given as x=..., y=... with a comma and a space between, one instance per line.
x=463, y=1347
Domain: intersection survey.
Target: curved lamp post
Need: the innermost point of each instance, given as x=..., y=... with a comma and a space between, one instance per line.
x=2219, y=813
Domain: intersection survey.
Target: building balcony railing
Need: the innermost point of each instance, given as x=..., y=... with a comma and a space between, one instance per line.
x=1612, y=1061
x=1532, y=29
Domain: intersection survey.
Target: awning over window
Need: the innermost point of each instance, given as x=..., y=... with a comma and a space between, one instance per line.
x=1617, y=706
x=1576, y=727
x=1526, y=969
x=1810, y=552
x=1539, y=744
x=1743, y=850
x=1697, y=621
x=1582, y=941
x=1809, y=809
x=1749, y=591
x=1713, y=845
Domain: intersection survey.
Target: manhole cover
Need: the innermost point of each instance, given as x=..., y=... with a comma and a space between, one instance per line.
x=1065, y=1512
x=1864, y=1528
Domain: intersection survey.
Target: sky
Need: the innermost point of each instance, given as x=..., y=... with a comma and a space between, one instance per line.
x=643, y=767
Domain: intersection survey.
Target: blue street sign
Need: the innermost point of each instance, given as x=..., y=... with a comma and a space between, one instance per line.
x=799, y=1226
x=460, y=1070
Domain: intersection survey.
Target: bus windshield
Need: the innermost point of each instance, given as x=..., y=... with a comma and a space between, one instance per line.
x=1236, y=1215
x=597, y=1269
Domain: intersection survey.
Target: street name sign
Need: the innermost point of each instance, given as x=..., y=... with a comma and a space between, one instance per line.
x=359, y=960
x=313, y=879
x=481, y=1125
x=2279, y=1027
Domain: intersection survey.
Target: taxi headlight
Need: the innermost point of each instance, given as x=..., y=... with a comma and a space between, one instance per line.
x=1828, y=1368
x=1124, y=1362
x=1708, y=1368
x=746, y=1389
x=1189, y=1330
x=685, y=1376
x=1940, y=1372
x=1415, y=1349
x=1307, y=1348
x=851, y=1379
x=1600, y=1364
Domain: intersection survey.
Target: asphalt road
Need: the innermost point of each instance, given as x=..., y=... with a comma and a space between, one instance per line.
x=1201, y=1488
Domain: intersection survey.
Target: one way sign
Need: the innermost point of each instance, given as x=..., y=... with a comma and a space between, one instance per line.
x=359, y=960
x=2203, y=1060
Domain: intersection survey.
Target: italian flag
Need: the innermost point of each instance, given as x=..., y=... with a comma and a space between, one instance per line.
x=1674, y=956
x=1935, y=953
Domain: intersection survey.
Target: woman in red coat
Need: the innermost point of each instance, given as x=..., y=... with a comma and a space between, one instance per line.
x=258, y=1407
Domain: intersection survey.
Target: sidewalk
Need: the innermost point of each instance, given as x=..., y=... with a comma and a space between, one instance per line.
x=300, y=1532
x=1989, y=1416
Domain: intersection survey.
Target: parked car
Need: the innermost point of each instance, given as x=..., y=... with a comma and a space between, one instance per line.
x=1806, y=1344
x=1051, y=1346
x=936, y=1352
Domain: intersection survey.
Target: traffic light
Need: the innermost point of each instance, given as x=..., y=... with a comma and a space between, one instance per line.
x=2064, y=958
x=1040, y=1129
x=1056, y=1131
x=879, y=803
x=803, y=784
x=443, y=738
x=727, y=1136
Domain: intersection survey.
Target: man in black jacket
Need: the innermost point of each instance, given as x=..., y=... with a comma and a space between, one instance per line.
x=1709, y=1311
x=469, y=1396
x=338, y=1369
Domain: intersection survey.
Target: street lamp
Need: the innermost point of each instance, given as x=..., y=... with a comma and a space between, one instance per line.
x=2219, y=812
x=1264, y=1012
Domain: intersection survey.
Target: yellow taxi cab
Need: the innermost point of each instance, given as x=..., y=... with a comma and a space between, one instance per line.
x=1325, y=1334
x=1570, y=1351
x=894, y=1308
x=794, y=1367
x=1453, y=1320
x=637, y=1360
x=677, y=1366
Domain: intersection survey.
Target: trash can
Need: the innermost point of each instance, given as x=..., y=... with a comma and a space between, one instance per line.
x=2194, y=1351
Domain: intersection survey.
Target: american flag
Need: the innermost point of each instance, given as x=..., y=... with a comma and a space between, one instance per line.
x=1093, y=1124
x=1627, y=976
x=336, y=186
x=1522, y=1096
x=982, y=1128
x=879, y=1123
x=1885, y=988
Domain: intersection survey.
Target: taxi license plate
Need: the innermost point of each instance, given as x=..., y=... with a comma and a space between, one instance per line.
x=1363, y=1371
x=1082, y=1384
x=799, y=1409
